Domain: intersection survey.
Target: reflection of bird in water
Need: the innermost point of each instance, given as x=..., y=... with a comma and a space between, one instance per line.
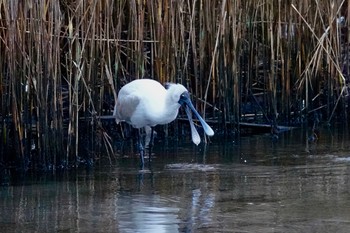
x=146, y=103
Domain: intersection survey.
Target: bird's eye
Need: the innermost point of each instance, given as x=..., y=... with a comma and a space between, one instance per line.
x=183, y=98
x=184, y=95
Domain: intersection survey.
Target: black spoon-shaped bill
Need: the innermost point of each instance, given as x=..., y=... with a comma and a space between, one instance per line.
x=185, y=100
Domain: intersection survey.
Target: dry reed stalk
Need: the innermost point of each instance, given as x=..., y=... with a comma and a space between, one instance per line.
x=325, y=45
x=61, y=61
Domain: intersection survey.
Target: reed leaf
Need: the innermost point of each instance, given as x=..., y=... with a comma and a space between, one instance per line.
x=63, y=62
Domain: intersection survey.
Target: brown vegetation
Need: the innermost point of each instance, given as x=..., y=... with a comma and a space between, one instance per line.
x=61, y=61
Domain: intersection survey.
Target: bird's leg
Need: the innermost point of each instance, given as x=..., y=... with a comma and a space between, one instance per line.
x=149, y=140
x=151, y=144
x=140, y=148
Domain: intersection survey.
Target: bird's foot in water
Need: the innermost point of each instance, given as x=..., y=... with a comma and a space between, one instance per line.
x=142, y=155
x=144, y=158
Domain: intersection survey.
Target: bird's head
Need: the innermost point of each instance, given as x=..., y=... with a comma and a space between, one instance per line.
x=178, y=93
x=181, y=95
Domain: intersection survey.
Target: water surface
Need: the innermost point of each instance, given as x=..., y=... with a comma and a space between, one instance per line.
x=249, y=185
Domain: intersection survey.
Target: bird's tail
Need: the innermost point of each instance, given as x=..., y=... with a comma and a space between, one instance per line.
x=115, y=114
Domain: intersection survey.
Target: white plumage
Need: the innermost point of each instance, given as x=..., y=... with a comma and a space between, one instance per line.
x=145, y=102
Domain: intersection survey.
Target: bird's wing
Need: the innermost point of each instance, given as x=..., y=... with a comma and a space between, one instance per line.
x=126, y=107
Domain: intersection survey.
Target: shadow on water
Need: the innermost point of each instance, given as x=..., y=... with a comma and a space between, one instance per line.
x=252, y=185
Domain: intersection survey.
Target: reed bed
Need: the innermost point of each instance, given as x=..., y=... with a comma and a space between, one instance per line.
x=62, y=62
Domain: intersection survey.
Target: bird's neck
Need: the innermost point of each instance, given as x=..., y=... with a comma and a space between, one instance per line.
x=169, y=111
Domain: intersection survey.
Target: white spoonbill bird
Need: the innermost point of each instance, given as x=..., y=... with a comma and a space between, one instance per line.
x=147, y=103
